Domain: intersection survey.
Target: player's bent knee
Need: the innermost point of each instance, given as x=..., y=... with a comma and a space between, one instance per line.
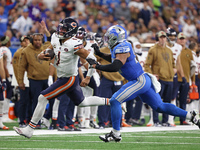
x=83, y=103
x=114, y=102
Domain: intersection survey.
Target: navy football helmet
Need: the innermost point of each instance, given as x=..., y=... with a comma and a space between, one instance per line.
x=171, y=35
x=81, y=33
x=67, y=28
x=171, y=32
x=98, y=38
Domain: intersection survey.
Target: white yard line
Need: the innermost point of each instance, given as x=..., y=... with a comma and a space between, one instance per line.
x=106, y=130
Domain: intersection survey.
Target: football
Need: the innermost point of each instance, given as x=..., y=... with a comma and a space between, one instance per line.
x=50, y=53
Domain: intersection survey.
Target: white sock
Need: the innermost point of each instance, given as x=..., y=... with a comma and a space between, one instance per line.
x=55, y=109
x=39, y=111
x=188, y=116
x=116, y=132
x=171, y=118
x=93, y=112
x=87, y=112
x=94, y=101
x=6, y=107
x=75, y=112
x=151, y=116
x=1, y=113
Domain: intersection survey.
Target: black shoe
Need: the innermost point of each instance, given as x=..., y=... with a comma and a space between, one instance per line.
x=65, y=128
x=134, y=122
x=73, y=128
x=93, y=124
x=53, y=125
x=110, y=137
x=167, y=125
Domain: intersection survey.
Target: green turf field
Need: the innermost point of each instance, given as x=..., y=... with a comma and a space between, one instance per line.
x=149, y=140
x=165, y=140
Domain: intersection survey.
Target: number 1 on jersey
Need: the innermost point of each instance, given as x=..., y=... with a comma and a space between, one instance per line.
x=58, y=61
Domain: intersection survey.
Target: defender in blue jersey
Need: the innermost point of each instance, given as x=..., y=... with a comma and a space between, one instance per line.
x=140, y=83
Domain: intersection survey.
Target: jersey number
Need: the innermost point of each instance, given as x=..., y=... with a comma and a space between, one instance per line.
x=58, y=61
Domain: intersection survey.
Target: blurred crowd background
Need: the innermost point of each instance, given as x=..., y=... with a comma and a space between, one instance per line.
x=141, y=18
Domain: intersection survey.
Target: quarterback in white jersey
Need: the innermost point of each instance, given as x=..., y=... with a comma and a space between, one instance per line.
x=66, y=62
x=67, y=50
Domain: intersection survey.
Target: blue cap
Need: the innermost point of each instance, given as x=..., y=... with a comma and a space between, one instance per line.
x=25, y=10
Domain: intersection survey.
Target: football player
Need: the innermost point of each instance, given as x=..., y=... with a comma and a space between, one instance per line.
x=2, y=88
x=67, y=49
x=139, y=83
x=90, y=112
x=176, y=49
x=7, y=57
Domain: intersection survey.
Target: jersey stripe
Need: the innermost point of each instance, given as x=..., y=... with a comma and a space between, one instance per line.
x=61, y=89
x=132, y=89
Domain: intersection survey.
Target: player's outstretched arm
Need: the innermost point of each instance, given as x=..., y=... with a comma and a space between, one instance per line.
x=116, y=65
x=100, y=54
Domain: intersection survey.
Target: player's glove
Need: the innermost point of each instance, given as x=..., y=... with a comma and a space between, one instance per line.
x=96, y=49
x=4, y=85
x=50, y=80
x=184, y=81
x=91, y=61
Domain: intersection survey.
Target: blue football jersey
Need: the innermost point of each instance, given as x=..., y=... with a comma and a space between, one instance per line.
x=132, y=69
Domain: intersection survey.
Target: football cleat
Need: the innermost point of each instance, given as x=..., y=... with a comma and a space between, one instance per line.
x=109, y=137
x=124, y=124
x=26, y=132
x=194, y=118
x=4, y=128
x=73, y=128
x=94, y=124
x=53, y=125
x=65, y=128
x=45, y=122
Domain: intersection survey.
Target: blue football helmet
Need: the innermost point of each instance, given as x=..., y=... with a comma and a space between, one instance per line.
x=115, y=34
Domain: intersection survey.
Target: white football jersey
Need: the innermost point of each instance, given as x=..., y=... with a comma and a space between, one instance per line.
x=142, y=58
x=6, y=51
x=176, y=50
x=66, y=61
x=90, y=49
x=198, y=66
x=197, y=61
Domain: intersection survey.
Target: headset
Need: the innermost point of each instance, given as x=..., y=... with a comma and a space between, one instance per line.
x=156, y=37
x=31, y=37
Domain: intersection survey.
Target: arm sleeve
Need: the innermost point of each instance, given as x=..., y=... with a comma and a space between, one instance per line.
x=114, y=67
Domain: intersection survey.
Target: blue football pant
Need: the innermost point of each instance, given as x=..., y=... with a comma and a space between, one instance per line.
x=143, y=88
